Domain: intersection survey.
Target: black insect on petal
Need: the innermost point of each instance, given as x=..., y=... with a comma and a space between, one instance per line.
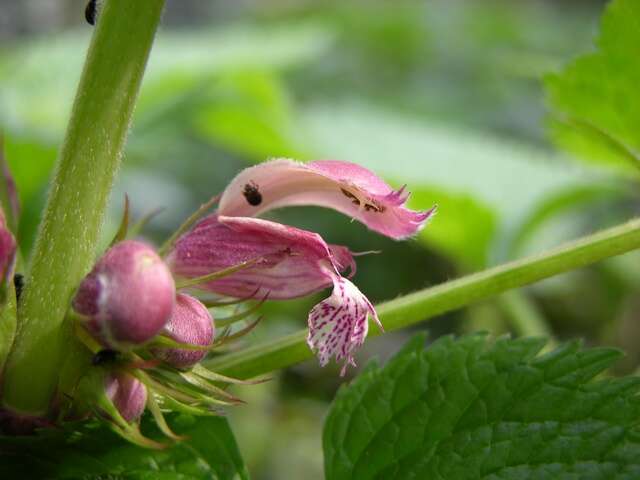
x=252, y=194
x=91, y=12
x=18, y=283
x=104, y=356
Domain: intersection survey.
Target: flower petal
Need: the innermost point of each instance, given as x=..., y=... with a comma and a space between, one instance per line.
x=7, y=251
x=8, y=191
x=291, y=262
x=343, y=186
x=338, y=325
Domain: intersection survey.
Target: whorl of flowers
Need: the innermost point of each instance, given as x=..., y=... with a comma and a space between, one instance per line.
x=145, y=314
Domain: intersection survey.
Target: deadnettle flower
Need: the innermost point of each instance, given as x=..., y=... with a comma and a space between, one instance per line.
x=287, y=262
x=343, y=186
x=128, y=297
x=190, y=323
x=126, y=304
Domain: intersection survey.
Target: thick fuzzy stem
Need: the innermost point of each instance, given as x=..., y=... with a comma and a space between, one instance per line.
x=66, y=244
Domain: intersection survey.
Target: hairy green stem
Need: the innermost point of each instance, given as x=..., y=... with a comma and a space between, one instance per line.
x=430, y=302
x=65, y=247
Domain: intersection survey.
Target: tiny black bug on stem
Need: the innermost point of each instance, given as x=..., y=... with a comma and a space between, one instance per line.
x=91, y=12
x=18, y=283
x=252, y=194
x=104, y=356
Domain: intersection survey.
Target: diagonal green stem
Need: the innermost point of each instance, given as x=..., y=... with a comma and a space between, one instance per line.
x=70, y=229
x=430, y=302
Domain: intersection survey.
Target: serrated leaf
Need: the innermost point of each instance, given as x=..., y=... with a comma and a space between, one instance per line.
x=596, y=98
x=209, y=452
x=471, y=409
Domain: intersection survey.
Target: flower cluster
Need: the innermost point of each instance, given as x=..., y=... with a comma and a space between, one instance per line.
x=145, y=315
x=291, y=262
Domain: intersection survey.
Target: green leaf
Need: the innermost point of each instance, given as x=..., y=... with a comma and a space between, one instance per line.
x=471, y=409
x=249, y=112
x=209, y=452
x=570, y=202
x=595, y=99
x=30, y=162
x=35, y=75
x=460, y=218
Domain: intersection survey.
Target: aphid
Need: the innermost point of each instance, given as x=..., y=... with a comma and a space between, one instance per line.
x=91, y=12
x=350, y=196
x=252, y=194
x=18, y=283
x=104, y=356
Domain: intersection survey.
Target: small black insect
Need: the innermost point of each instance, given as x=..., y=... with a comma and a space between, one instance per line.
x=252, y=194
x=18, y=283
x=91, y=12
x=104, y=356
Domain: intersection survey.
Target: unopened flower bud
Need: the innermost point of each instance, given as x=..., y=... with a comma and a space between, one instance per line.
x=128, y=297
x=7, y=250
x=127, y=393
x=191, y=323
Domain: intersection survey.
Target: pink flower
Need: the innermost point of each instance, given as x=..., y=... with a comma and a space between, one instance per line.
x=345, y=187
x=289, y=263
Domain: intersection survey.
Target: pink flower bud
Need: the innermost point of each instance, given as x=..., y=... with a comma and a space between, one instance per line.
x=127, y=393
x=7, y=250
x=190, y=323
x=128, y=297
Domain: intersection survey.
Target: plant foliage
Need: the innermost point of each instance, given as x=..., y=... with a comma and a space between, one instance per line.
x=209, y=451
x=471, y=409
x=596, y=97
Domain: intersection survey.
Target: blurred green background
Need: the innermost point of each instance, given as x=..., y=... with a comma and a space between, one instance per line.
x=444, y=95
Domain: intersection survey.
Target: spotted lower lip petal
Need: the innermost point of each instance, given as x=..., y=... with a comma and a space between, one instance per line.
x=339, y=324
x=292, y=262
x=342, y=186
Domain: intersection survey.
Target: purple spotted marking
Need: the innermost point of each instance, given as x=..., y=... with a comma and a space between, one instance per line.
x=338, y=325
